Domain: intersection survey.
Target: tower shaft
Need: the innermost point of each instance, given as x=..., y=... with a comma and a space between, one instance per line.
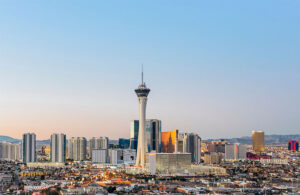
x=141, y=149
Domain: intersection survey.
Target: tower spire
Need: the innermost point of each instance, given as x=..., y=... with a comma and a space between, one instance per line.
x=142, y=74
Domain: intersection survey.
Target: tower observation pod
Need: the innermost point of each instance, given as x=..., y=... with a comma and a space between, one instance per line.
x=142, y=92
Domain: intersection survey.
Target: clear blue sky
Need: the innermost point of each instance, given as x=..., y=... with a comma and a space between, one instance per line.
x=218, y=68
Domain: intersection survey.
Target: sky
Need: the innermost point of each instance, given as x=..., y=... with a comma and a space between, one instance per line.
x=217, y=68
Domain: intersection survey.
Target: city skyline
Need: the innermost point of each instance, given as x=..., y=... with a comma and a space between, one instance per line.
x=218, y=75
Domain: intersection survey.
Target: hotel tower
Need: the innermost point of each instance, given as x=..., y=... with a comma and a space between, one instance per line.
x=142, y=92
x=258, y=138
x=29, y=147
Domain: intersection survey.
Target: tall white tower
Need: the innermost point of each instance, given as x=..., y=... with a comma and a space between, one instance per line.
x=58, y=147
x=77, y=148
x=28, y=147
x=142, y=92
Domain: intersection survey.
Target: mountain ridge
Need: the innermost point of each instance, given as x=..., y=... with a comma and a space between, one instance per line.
x=4, y=138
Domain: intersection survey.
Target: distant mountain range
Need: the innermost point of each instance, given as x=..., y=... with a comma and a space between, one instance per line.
x=16, y=141
x=4, y=138
x=9, y=139
x=269, y=139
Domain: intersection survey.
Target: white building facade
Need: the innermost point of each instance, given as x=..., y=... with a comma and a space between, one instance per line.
x=29, y=147
x=115, y=156
x=77, y=148
x=96, y=143
x=235, y=152
x=58, y=148
x=100, y=156
x=9, y=151
x=129, y=156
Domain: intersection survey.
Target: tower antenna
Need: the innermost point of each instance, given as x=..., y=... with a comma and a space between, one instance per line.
x=142, y=74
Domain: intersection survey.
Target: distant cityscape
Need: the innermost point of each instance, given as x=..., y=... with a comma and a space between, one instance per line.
x=60, y=149
x=151, y=161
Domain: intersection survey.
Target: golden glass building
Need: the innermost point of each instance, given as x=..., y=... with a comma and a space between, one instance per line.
x=258, y=138
x=169, y=141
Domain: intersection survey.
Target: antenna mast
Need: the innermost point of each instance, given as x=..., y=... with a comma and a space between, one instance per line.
x=142, y=74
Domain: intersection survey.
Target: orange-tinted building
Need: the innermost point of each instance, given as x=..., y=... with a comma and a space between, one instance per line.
x=258, y=138
x=169, y=141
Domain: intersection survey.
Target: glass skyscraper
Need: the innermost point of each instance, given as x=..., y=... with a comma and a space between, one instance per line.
x=124, y=143
x=134, y=132
x=153, y=134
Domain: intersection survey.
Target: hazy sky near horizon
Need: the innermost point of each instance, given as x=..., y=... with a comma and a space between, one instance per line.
x=218, y=68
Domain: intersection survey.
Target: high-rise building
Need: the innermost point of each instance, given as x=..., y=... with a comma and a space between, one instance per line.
x=29, y=147
x=9, y=151
x=124, y=143
x=169, y=141
x=216, y=146
x=142, y=92
x=77, y=148
x=153, y=129
x=134, y=134
x=293, y=145
x=235, y=152
x=152, y=134
x=258, y=141
x=190, y=143
x=113, y=144
x=58, y=147
x=96, y=143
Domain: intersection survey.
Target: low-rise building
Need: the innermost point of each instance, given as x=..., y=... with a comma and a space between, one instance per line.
x=168, y=162
x=212, y=158
x=274, y=161
x=115, y=156
x=129, y=156
x=45, y=164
